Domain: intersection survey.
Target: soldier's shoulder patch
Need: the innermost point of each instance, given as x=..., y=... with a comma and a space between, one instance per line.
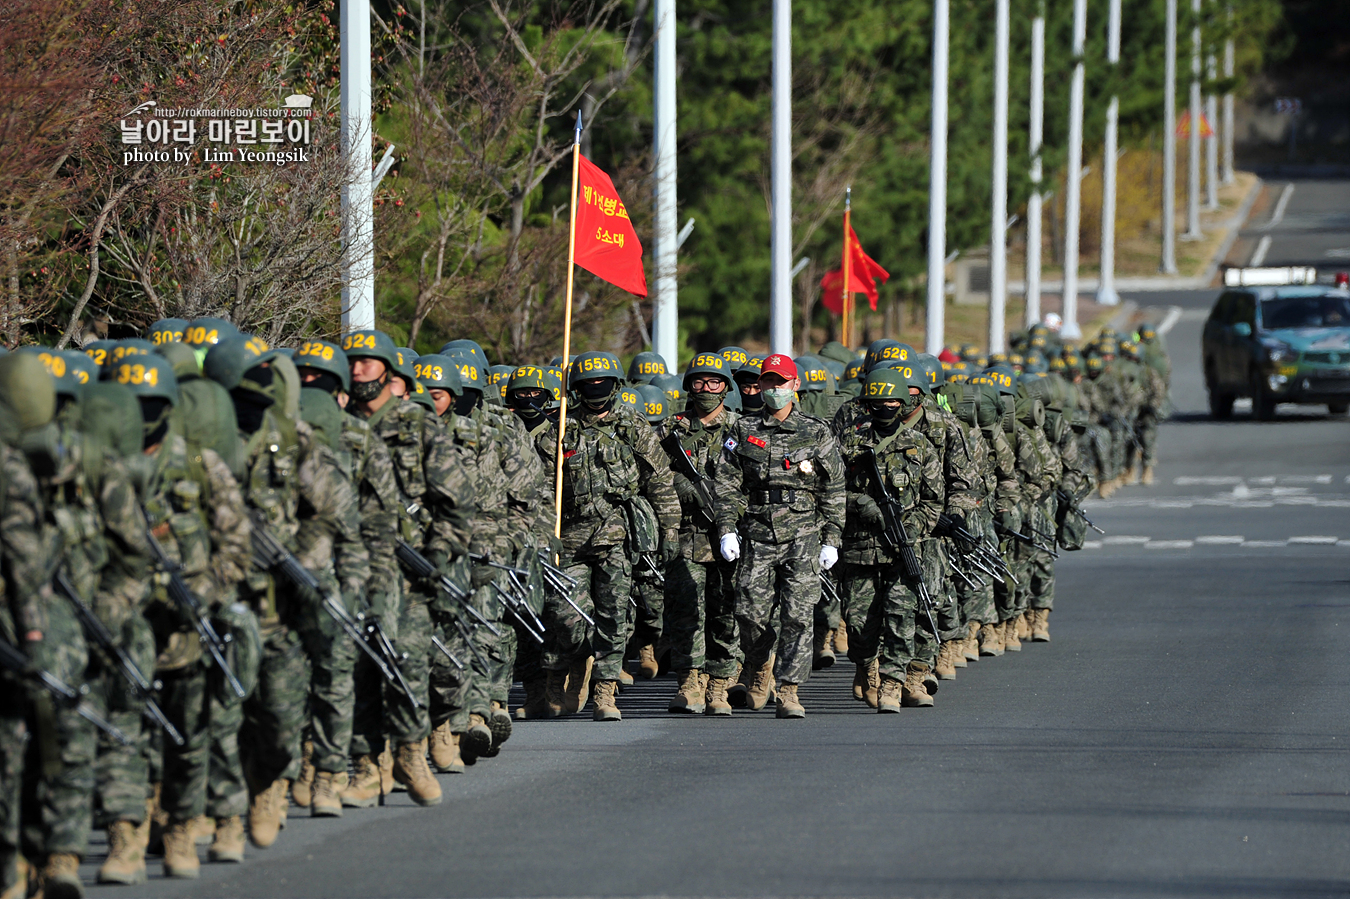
x=757, y=441
x=731, y=444
x=911, y=451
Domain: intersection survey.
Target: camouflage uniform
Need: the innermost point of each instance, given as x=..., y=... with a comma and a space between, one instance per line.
x=792, y=481
x=961, y=474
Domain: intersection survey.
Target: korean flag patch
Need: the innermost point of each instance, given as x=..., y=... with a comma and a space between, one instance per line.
x=730, y=445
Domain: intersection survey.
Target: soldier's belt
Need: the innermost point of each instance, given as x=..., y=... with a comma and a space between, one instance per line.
x=773, y=496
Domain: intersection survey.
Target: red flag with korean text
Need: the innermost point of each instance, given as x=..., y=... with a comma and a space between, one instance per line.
x=863, y=269
x=606, y=244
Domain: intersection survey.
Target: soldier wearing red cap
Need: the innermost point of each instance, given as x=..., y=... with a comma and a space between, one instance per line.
x=785, y=466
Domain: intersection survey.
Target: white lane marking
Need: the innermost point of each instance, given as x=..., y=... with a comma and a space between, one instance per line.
x=1092, y=544
x=1209, y=481
x=1123, y=540
x=1263, y=544
x=1169, y=320
x=1313, y=541
x=1267, y=480
x=1306, y=479
x=1215, y=540
x=1259, y=254
x=1220, y=540
x=1282, y=204
x=1169, y=544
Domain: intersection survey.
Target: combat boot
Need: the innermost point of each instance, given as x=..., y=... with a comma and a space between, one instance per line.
x=302, y=790
x=991, y=640
x=761, y=687
x=445, y=751
x=228, y=845
x=159, y=821
x=499, y=722
x=327, y=801
x=888, y=696
x=958, y=658
x=1011, y=642
x=739, y=691
x=788, y=706
x=535, y=706
x=841, y=641
x=180, y=850
x=716, y=697
x=870, y=695
x=20, y=888
x=555, y=693
x=1024, y=626
x=914, y=694
x=475, y=741
x=859, y=682
x=689, y=696
x=410, y=769
x=1040, y=626
x=970, y=647
x=625, y=679
x=386, y=761
x=605, y=693
x=648, y=667
x=822, y=650
x=363, y=789
x=1147, y=477
x=944, y=667
x=578, y=679
x=126, y=858
x=264, y=817
x=203, y=829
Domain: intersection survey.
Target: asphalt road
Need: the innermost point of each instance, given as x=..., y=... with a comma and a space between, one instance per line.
x=1187, y=732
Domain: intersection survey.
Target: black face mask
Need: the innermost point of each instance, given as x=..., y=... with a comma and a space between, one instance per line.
x=326, y=381
x=752, y=402
x=366, y=391
x=467, y=401
x=155, y=415
x=249, y=408
x=597, y=396
x=260, y=375
x=883, y=418
x=530, y=409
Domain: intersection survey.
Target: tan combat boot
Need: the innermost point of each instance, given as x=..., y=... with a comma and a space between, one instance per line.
x=180, y=850
x=970, y=649
x=60, y=877
x=1040, y=626
x=555, y=693
x=716, y=699
x=126, y=857
x=914, y=694
x=535, y=705
x=959, y=651
x=1147, y=478
x=445, y=751
x=648, y=667
x=689, y=695
x=625, y=679
x=739, y=691
x=871, y=694
x=476, y=741
x=264, y=816
x=327, y=801
x=991, y=640
x=888, y=696
x=228, y=845
x=20, y=888
x=761, y=687
x=203, y=830
x=301, y=789
x=944, y=667
x=578, y=679
x=159, y=821
x=1011, y=642
x=859, y=682
x=822, y=649
x=1024, y=626
x=386, y=761
x=500, y=723
x=605, y=709
x=363, y=789
x=788, y=706
x=841, y=641
x=410, y=769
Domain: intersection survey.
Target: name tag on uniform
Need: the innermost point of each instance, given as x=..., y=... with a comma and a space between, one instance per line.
x=757, y=441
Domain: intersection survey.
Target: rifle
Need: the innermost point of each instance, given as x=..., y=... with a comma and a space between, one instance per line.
x=1023, y=538
x=191, y=606
x=898, y=539
x=563, y=584
x=440, y=644
x=420, y=568
x=514, y=600
x=679, y=459
x=973, y=550
x=829, y=587
x=96, y=630
x=1067, y=502
x=270, y=555
x=12, y=659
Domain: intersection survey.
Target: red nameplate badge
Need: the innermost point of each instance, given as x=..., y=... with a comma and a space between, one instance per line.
x=757, y=441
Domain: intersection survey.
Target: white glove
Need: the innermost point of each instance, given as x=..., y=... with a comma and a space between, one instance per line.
x=731, y=547
x=828, y=556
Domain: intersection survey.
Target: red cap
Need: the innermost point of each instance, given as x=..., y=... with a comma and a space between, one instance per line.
x=780, y=365
x=948, y=356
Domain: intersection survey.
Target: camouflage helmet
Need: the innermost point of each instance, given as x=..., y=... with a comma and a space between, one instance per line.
x=111, y=416
x=629, y=397
x=228, y=360
x=747, y=372
x=655, y=403
x=589, y=366
x=147, y=377
x=836, y=352
x=466, y=347
x=83, y=368
x=184, y=359
x=887, y=352
x=208, y=331
x=1003, y=378
x=498, y=377
x=533, y=377
x=855, y=370
x=473, y=374
x=372, y=345
x=1095, y=364
x=815, y=377
x=403, y=367
x=132, y=346
x=928, y=370
x=1147, y=333
x=418, y=393
x=168, y=330
x=714, y=364
x=1129, y=349
x=737, y=356
x=673, y=387
x=321, y=355
x=646, y=366
x=27, y=393
x=888, y=384
x=63, y=376
x=99, y=350
x=438, y=372
x=834, y=367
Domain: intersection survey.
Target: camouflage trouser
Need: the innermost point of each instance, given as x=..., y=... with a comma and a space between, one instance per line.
x=226, y=789
x=858, y=590
x=1005, y=591
x=449, y=684
x=1122, y=432
x=122, y=773
x=977, y=603
x=700, y=621
x=649, y=617
x=827, y=613
x=332, y=700
x=404, y=722
x=13, y=742
x=779, y=583
x=58, y=807
x=937, y=559
x=274, y=716
x=368, y=706
x=896, y=632
x=1146, y=437
x=184, y=698
x=604, y=577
